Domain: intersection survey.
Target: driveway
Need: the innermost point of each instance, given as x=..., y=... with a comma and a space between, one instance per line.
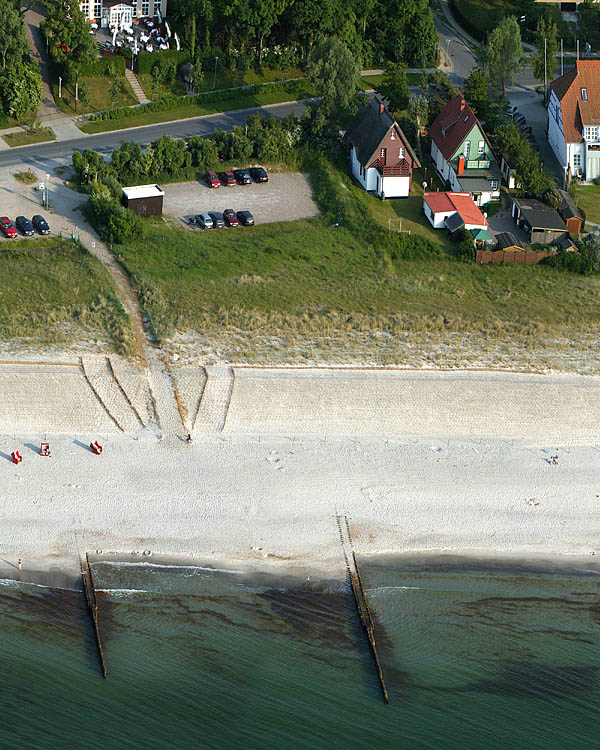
x=286, y=197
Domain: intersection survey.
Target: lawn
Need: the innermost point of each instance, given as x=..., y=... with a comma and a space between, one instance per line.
x=100, y=95
x=587, y=197
x=56, y=292
x=189, y=109
x=23, y=138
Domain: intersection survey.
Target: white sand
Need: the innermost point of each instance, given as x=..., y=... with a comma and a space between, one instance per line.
x=458, y=459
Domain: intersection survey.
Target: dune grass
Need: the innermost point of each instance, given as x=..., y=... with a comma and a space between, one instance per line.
x=54, y=292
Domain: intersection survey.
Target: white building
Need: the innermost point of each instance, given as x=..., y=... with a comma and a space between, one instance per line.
x=121, y=12
x=574, y=120
x=381, y=158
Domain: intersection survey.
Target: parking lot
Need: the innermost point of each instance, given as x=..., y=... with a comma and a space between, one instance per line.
x=18, y=199
x=286, y=197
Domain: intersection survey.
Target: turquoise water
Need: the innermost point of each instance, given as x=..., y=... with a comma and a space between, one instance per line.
x=474, y=657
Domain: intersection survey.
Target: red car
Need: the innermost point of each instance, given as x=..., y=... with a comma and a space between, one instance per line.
x=7, y=226
x=212, y=180
x=227, y=178
x=230, y=218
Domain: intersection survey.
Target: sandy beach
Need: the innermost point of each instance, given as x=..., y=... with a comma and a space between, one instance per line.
x=418, y=461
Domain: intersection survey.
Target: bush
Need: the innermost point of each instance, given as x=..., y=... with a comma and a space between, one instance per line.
x=147, y=60
x=113, y=222
x=104, y=66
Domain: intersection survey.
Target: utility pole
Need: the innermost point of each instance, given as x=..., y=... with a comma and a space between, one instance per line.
x=59, y=87
x=215, y=75
x=545, y=72
x=562, y=58
x=577, y=58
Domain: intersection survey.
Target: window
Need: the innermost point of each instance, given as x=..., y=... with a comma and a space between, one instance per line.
x=577, y=161
x=591, y=133
x=494, y=184
x=145, y=7
x=382, y=153
x=97, y=9
x=401, y=153
x=466, y=118
x=157, y=7
x=584, y=95
x=85, y=9
x=481, y=147
x=467, y=149
x=392, y=136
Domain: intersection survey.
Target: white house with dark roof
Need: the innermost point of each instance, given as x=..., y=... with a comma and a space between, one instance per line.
x=574, y=120
x=381, y=158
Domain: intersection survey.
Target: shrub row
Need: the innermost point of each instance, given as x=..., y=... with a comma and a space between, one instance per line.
x=176, y=102
x=105, y=66
x=147, y=60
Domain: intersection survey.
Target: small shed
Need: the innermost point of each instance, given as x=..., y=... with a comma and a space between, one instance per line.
x=570, y=214
x=145, y=200
x=508, y=172
x=508, y=241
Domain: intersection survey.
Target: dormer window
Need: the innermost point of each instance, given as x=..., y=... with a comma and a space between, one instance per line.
x=591, y=133
x=584, y=95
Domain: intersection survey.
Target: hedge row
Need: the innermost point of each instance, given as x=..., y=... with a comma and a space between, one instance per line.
x=104, y=66
x=175, y=102
x=146, y=60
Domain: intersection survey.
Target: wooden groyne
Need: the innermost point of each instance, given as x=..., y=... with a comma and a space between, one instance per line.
x=360, y=596
x=89, y=589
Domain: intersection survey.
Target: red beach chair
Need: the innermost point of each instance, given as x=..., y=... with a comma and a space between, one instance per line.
x=16, y=457
x=45, y=449
x=96, y=447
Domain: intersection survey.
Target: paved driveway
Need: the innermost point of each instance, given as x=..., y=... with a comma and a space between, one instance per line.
x=285, y=197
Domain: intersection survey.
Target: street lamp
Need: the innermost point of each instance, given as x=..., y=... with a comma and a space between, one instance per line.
x=47, y=188
x=215, y=76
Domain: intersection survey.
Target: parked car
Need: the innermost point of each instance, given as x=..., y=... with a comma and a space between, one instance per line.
x=217, y=219
x=230, y=218
x=212, y=180
x=245, y=218
x=204, y=221
x=227, y=178
x=511, y=111
x=520, y=119
x=40, y=224
x=24, y=225
x=242, y=176
x=258, y=174
x=7, y=226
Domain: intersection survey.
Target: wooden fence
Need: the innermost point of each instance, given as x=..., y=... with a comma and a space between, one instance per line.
x=527, y=257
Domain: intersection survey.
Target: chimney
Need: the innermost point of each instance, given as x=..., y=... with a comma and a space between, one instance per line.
x=463, y=103
x=461, y=164
x=381, y=108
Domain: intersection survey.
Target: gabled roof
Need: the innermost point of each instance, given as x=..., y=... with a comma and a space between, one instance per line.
x=567, y=208
x=577, y=112
x=453, y=125
x=461, y=202
x=368, y=128
x=506, y=240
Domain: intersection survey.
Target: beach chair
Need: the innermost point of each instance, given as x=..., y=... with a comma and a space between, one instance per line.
x=45, y=449
x=96, y=447
x=16, y=457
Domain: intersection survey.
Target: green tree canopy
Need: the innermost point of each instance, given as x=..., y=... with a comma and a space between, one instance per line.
x=476, y=91
x=394, y=86
x=502, y=57
x=531, y=177
x=69, y=40
x=13, y=42
x=21, y=89
x=335, y=75
x=545, y=58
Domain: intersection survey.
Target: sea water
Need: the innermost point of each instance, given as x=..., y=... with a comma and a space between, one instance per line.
x=474, y=656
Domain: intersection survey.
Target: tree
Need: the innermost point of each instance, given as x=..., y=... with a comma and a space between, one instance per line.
x=544, y=62
x=394, y=87
x=13, y=42
x=21, y=89
x=335, y=76
x=257, y=15
x=116, y=89
x=476, y=91
x=502, y=56
x=68, y=34
x=531, y=177
x=84, y=93
x=418, y=110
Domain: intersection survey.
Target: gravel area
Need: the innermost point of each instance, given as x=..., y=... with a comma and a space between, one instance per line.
x=287, y=196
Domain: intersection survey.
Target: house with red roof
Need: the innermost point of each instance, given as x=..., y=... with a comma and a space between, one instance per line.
x=574, y=120
x=455, y=212
x=381, y=158
x=462, y=153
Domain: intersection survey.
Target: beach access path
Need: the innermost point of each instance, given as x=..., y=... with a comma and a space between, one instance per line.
x=459, y=463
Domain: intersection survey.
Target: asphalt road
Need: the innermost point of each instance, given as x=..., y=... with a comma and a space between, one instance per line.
x=463, y=60
x=48, y=156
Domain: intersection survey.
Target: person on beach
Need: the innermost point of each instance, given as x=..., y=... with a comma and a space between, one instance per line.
x=188, y=438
